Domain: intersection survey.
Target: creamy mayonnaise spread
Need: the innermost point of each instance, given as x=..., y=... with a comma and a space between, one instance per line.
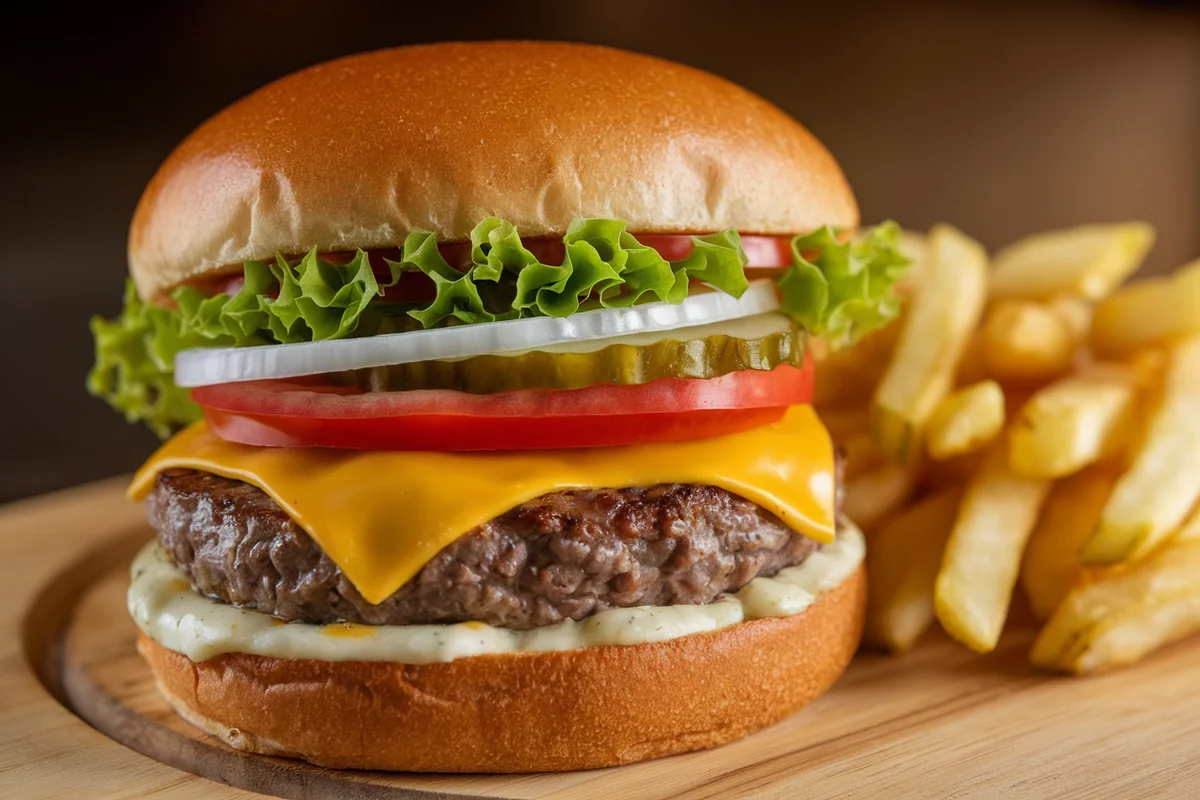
x=171, y=613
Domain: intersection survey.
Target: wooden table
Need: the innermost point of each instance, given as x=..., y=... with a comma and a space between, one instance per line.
x=939, y=722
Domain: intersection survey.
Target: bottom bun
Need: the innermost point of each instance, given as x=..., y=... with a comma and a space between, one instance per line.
x=525, y=712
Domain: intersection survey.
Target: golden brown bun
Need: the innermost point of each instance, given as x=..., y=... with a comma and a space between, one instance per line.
x=360, y=151
x=529, y=712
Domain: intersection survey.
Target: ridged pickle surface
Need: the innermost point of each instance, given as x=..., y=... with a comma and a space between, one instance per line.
x=702, y=352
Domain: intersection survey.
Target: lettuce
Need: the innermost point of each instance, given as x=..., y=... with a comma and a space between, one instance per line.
x=131, y=372
x=843, y=293
x=603, y=266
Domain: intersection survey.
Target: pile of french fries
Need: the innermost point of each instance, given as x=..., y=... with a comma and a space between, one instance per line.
x=1029, y=420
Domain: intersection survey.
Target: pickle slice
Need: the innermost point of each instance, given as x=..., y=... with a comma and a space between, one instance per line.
x=762, y=342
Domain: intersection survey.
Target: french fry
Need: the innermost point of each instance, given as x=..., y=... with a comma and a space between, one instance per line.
x=1152, y=499
x=1150, y=366
x=1074, y=422
x=1024, y=341
x=943, y=312
x=1048, y=420
x=960, y=469
x=872, y=496
x=1051, y=563
x=1149, y=313
x=902, y=565
x=1128, y=636
x=1190, y=529
x=965, y=421
x=1089, y=260
x=983, y=555
x=1076, y=312
x=1113, y=604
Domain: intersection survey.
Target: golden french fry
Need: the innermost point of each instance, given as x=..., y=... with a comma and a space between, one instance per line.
x=1075, y=311
x=1115, y=604
x=1034, y=405
x=1130, y=635
x=872, y=496
x=1089, y=260
x=1051, y=566
x=1025, y=341
x=982, y=558
x=943, y=312
x=1190, y=529
x=965, y=421
x=1149, y=313
x=1149, y=365
x=1152, y=499
x=1074, y=422
x=902, y=565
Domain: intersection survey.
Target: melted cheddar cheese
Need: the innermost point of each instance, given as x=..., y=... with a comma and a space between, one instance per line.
x=382, y=515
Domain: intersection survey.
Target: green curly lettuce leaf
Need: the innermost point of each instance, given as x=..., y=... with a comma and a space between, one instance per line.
x=603, y=266
x=459, y=297
x=843, y=293
x=319, y=300
x=846, y=290
x=281, y=302
x=130, y=373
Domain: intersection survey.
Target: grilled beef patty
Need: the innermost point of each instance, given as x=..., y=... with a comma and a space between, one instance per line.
x=563, y=555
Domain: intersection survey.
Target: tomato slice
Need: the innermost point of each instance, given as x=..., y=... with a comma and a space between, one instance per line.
x=450, y=433
x=298, y=414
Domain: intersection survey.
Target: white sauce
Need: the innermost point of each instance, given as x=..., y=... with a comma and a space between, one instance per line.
x=168, y=611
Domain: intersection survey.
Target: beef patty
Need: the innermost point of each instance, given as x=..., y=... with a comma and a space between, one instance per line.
x=564, y=555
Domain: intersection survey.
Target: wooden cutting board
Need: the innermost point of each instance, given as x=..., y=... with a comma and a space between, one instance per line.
x=939, y=722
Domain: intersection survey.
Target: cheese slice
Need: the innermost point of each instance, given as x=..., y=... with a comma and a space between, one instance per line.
x=382, y=515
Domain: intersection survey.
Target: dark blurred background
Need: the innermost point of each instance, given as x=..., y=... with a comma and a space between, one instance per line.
x=1003, y=118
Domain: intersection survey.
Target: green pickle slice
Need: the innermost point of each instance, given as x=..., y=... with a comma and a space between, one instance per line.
x=761, y=342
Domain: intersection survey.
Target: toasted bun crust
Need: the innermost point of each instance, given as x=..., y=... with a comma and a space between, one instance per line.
x=530, y=712
x=360, y=151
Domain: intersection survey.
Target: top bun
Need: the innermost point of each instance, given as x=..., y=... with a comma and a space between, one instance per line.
x=360, y=151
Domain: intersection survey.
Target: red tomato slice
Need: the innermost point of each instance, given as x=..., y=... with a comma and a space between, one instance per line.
x=295, y=414
x=450, y=433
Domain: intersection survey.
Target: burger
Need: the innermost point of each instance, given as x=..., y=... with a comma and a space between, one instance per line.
x=485, y=371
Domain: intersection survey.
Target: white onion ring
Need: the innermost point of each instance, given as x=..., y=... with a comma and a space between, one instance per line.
x=205, y=366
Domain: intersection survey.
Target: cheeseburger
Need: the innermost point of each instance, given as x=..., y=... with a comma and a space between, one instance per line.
x=485, y=376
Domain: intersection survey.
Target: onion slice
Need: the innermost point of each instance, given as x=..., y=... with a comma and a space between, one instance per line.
x=206, y=366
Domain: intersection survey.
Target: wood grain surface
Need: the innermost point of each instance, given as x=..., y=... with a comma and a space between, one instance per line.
x=940, y=722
